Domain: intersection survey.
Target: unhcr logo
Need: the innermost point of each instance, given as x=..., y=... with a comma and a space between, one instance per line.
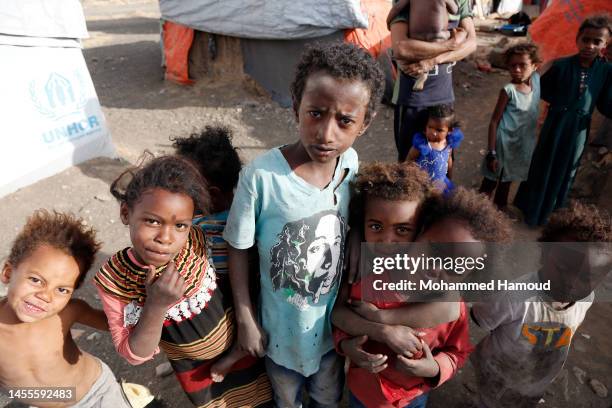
x=58, y=96
x=63, y=101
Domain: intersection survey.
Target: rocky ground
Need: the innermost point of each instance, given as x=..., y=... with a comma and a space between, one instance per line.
x=144, y=112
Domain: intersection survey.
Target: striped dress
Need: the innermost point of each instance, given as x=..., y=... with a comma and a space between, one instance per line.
x=197, y=330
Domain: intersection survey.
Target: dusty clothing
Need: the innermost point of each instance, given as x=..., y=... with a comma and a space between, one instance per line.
x=526, y=349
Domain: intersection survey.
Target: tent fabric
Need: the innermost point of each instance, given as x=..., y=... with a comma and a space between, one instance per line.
x=260, y=19
x=555, y=30
x=177, y=40
x=376, y=38
x=43, y=18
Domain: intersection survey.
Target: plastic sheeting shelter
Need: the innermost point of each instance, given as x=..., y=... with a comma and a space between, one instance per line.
x=51, y=116
x=555, y=30
x=262, y=39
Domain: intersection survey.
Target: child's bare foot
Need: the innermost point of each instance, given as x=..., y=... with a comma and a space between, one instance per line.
x=225, y=363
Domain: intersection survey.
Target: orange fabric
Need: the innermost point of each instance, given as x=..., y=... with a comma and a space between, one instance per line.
x=555, y=30
x=177, y=43
x=376, y=38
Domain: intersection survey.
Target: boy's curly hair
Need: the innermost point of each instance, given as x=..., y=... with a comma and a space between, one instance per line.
x=523, y=49
x=484, y=220
x=390, y=181
x=172, y=173
x=340, y=60
x=61, y=231
x=580, y=221
x=212, y=151
x=597, y=22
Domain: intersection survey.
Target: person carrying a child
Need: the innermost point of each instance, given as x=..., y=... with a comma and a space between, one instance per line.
x=530, y=334
x=48, y=261
x=162, y=291
x=434, y=335
x=415, y=57
x=292, y=203
x=573, y=86
x=433, y=149
x=512, y=130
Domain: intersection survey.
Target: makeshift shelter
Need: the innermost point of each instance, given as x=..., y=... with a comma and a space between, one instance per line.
x=263, y=40
x=51, y=117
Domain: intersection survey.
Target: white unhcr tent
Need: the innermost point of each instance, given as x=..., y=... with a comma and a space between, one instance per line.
x=51, y=116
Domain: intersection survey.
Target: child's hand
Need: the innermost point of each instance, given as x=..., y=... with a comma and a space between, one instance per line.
x=492, y=165
x=167, y=289
x=457, y=36
x=353, y=349
x=426, y=367
x=366, y=310
x=252, y=339
x=402, y=340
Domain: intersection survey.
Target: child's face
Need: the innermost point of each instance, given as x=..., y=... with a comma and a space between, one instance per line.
x=436, y=129
x=591, y=42
x=331, y=115
x=41, y=285
x=159, y=225
x=388, y=221
x=520, y=67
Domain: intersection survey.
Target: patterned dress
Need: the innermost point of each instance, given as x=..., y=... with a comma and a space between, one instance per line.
x=197, y=330
x=435, y=162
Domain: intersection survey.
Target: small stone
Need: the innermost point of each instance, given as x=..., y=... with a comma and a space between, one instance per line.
x=580, y=374
x=598, y=388
x=102, y=197
x=163, y=370
x=76, y=333
x=482, y=152
x=602, y=150
x=542, y=401
x=94, y=336
x=586, y=336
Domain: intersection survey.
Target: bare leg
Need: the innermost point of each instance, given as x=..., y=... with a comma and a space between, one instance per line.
x=420, y=82
x=219, y=370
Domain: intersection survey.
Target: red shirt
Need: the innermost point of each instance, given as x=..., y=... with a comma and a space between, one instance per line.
x=450, y=346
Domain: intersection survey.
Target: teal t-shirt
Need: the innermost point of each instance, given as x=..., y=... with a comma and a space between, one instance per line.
x=300, y=233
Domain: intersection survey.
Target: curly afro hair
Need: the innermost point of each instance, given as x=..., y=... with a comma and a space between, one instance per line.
x=172, y=173
x=484, y=220
x=340, y=60
x=390, y=181
x=523, y=49
x=212, y=151
x=579, y=221
x=61, y=231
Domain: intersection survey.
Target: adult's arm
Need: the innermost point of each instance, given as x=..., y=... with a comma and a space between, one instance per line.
x=463, y=49
x=409, y=50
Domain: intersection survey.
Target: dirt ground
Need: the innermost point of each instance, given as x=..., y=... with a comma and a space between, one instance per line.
x=144, y=112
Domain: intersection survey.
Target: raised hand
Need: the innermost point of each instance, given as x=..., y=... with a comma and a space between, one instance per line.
x=167, y=289
x=353, y=348
x=425, y=367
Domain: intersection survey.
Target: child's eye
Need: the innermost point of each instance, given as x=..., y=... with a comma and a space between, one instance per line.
x=64, y=291
x=182, y=227
x=151, y=221
x=404, y=230
x=315, y=114
x=375, y=227
x=345, y=120
x=35, y=280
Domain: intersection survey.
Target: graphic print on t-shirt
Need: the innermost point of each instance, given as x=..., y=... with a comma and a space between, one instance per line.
x=306, y=260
